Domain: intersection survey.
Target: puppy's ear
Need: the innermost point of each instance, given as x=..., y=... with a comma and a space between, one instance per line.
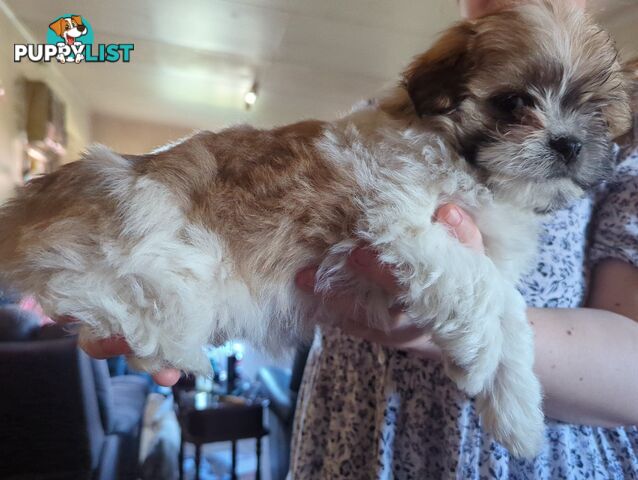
x=77, y=19
x=58, y=26
x=436, y=81
x=631, y=74
x=620, y=118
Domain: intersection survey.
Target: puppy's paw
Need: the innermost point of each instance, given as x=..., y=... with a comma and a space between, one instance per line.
x=61, y=58
x=477, y=376
x=471, y=382
x=522, y=436
x=79, y=57
x=514, y=417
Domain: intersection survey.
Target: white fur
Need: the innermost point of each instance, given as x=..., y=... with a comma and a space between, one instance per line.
x=468, y=300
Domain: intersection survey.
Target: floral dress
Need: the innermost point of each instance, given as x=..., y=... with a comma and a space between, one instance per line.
x=366, y=411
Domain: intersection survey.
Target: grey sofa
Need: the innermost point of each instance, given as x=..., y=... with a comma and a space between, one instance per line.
x=62, y=416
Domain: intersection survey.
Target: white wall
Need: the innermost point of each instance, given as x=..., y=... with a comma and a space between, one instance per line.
x=125, y=135
x=77, y=114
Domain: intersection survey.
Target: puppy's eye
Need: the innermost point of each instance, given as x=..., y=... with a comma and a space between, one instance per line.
x=511, y=102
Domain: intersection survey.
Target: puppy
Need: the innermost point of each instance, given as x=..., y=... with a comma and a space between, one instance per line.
x=510, y=116
x=70, y=29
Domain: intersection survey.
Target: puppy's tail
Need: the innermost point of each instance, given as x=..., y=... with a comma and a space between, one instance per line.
x=511, y=407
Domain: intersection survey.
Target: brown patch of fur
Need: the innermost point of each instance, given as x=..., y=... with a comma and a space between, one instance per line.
x=436, y=80
x=263, y=191
x=55, y=209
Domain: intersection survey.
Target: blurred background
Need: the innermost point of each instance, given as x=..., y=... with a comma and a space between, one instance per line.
x=196, y=64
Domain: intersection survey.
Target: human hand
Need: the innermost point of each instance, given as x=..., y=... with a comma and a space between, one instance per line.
x=401, y=334
x=114, y=346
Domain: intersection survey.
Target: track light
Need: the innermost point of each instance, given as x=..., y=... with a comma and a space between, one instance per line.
x=251, y=96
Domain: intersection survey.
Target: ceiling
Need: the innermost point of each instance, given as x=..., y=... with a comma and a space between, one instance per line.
x=195, y=59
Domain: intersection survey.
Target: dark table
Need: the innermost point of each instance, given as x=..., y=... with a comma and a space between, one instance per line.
x=208, y=418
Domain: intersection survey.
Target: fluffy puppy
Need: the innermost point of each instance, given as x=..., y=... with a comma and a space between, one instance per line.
x=510, y=116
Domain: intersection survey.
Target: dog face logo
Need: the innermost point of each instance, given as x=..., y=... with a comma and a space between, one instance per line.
x=69, y=28
x=72, y=30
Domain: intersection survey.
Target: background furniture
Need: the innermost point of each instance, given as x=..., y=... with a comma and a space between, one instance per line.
x=281, y=387
x=61, y=415
x=218, y=421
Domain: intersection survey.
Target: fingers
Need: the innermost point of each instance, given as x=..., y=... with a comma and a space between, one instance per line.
x=106, y=348
x=365, y=262
x=305, y=279
x=341, y=306
x=396, y=336
x=410, y=338
x=114, y=346
x=167, y=377
x=461, y=225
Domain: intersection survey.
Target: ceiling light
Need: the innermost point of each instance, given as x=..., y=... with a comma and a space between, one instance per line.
x=251, y=96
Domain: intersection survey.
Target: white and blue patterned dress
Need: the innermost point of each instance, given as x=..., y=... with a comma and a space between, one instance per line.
x=366, y=411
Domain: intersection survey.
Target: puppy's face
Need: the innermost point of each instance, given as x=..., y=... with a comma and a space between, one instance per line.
x=532, y=97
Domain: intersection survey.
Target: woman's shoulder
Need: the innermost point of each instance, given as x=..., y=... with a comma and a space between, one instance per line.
x=627, y=168
x=615, y=233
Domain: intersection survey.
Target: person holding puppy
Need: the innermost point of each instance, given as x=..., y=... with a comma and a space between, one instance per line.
x=377, y=404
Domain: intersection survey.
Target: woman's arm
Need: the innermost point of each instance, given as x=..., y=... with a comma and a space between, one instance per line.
x=587, y=359
x=587, y=362
x=615, y=288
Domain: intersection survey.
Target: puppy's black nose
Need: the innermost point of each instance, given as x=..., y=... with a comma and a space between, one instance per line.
x=568, y=147
x=81, y=28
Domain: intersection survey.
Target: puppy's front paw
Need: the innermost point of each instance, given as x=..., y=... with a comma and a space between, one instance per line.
x=61, y=58
x=522, y=436
x=473, y=355
x=79, y=57
x=512, y=413
x=478, y=375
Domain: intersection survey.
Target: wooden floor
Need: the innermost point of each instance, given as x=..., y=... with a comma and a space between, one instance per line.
x=215, y=463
